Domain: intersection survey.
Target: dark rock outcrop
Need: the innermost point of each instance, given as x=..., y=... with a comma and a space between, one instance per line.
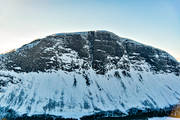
x=97, y=48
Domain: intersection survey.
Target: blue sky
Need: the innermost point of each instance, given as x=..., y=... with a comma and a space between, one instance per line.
x=152, y=22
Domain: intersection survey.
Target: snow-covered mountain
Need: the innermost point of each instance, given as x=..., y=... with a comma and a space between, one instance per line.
x=84, y=73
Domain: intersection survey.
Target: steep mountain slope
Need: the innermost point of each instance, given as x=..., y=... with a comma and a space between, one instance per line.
x=78, y=74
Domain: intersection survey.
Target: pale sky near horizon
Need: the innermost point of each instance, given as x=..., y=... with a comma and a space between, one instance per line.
x=152, y=22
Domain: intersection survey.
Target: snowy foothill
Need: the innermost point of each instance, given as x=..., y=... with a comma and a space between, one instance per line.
x=55, y=93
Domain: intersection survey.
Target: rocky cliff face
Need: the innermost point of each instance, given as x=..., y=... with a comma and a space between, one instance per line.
x=85, y=73
x=100, y=50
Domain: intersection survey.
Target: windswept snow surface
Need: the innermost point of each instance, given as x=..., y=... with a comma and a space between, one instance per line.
x=54, y=93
